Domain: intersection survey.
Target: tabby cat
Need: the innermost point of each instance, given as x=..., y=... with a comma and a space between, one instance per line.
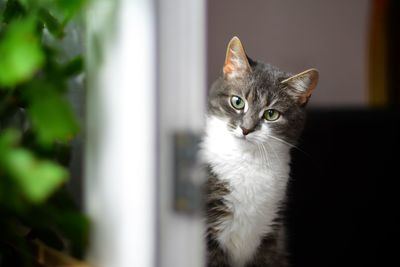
x=256, y=113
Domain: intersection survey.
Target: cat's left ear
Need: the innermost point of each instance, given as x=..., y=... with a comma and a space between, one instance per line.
x=236, y=63
x=302, y=85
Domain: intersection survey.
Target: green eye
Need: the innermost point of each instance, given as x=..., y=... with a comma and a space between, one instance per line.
x=237, y=102
x=271, y=115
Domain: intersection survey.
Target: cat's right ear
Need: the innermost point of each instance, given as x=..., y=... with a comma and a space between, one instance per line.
x=236, y=63
x=302, y=85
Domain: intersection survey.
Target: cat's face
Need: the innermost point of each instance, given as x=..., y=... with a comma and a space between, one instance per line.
x=259, y=102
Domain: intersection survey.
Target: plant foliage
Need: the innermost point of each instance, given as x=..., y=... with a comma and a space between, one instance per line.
x=36, y=127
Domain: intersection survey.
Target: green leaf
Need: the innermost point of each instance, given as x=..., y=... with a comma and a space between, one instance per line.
x=9, y=138
x=52, y=24
x=21, y=53
x=25, y=3
x=73, y=67
x=61, y=8
x=13, y=10
x=75, y=227
x=70, y=7
x=38, y=179
x=51, y=115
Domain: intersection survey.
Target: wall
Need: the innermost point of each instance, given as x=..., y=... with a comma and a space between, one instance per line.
x=295, y=35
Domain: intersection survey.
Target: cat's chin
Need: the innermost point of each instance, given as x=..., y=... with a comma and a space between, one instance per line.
x=245, y=140
x=240, y=137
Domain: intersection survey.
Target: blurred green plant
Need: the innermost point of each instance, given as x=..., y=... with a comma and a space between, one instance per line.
x=36, y=127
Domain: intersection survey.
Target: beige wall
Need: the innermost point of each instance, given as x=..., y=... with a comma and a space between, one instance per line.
x=331, y=35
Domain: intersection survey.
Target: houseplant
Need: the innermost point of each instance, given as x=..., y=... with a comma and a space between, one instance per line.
x=37, y=124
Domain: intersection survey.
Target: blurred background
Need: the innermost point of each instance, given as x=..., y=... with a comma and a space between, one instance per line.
x=102, y=104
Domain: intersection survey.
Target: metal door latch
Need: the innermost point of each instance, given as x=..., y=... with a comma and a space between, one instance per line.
x=189, y=176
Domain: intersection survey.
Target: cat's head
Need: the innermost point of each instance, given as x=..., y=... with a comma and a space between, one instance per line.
x=258, y=101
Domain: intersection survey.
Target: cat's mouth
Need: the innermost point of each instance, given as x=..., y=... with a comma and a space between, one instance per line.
x=242, y=137
x=245, y=138
x=248, y=138
x=238, y=134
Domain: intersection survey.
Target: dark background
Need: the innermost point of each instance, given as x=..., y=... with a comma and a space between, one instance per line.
x=344, y=191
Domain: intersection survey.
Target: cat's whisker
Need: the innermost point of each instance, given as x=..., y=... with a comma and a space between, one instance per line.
x=263, y=151
x=266, y=156
x=267, y=161
x=273, y=150
x=282, y=141
x=288, y=144
x=261, y=155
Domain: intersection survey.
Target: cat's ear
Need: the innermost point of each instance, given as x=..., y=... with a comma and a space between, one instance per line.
x=236, y=63
x=302, y=85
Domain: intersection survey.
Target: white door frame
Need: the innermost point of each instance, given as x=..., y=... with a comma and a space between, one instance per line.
x=146, y=82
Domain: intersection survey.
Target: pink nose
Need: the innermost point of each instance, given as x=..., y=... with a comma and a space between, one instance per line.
x=246, y=131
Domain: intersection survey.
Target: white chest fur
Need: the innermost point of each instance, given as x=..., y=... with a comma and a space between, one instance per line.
x=257, y=185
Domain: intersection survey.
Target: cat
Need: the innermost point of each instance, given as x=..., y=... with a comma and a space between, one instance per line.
x=256, y=113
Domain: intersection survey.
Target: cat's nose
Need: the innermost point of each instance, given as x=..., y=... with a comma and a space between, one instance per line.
x=246, y=131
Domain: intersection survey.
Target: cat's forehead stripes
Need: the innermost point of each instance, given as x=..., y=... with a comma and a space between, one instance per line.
x=259, y=95
x=251, y=97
